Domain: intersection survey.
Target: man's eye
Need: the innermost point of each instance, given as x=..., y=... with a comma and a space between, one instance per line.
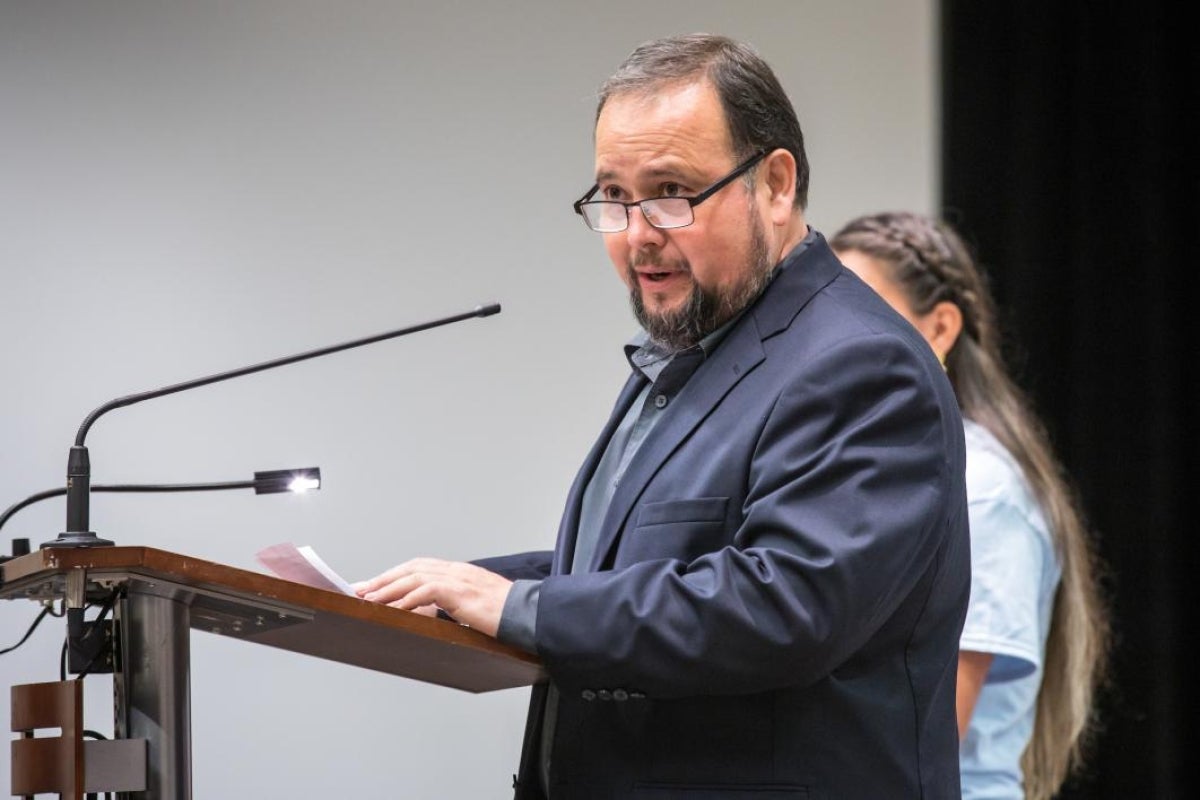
x=671, y=190
x=611, y=193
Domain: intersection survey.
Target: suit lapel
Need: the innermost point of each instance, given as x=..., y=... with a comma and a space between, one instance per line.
x=804, y=273
x=740, y=353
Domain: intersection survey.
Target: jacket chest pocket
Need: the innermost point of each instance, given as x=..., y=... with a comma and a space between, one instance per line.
x=679, y=529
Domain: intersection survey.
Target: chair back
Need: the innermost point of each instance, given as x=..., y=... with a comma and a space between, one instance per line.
x=48, y=763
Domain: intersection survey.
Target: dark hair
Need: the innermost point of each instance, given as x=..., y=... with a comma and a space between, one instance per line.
x=757, y=110
x=927, y=260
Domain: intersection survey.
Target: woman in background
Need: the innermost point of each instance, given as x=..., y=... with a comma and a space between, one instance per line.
x=1034, y=647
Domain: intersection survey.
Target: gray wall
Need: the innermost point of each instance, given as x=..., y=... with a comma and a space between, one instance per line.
x=191, y=187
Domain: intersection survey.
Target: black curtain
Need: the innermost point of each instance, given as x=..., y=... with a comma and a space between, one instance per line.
x=1069, y=138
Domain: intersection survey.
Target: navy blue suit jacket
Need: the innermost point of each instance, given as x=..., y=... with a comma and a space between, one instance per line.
x=774, y=606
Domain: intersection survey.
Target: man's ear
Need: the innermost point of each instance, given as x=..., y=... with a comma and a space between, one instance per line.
x=942, y=327
x=778, y=169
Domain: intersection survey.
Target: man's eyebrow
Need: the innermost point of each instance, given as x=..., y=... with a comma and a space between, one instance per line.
x=653, y=172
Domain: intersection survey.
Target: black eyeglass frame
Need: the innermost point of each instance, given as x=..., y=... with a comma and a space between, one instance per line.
x=691, y=201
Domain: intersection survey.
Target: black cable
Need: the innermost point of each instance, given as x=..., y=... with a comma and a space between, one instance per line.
x=95, y=627
x=87, y=732
x=109, y=602
x=41, y=616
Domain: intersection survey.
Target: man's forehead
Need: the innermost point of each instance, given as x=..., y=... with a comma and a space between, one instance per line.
x=658, y=99
x=661, y=130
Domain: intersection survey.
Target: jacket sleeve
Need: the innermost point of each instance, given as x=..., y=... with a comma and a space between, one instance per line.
x=531, y=565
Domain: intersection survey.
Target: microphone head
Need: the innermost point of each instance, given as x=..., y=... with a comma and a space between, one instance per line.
x=487, y=310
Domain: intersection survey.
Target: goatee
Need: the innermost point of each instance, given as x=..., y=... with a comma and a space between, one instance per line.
x=704, y=310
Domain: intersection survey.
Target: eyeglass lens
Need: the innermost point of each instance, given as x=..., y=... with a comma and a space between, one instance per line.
x=662, y=212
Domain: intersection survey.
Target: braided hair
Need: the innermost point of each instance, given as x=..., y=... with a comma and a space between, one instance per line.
x=930, y=264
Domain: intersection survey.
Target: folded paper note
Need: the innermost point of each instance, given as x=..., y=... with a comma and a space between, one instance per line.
x=302, y=565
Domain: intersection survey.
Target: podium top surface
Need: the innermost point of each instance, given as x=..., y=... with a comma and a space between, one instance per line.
x=264, y=609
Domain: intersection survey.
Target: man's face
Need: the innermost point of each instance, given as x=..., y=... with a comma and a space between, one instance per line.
x=683, y=282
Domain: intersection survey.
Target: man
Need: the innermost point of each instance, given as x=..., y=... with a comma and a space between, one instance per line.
x=762, y=570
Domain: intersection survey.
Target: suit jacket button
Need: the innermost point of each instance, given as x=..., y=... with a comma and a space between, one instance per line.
x=604, y=694
x=620, y=695
x=588, y=694
x=637, y=695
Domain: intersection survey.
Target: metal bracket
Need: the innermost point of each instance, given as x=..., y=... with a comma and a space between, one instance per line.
x=114, y=765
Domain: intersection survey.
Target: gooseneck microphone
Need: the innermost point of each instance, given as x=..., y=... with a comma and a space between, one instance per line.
x=79, y=469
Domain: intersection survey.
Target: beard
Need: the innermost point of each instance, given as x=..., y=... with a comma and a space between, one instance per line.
x=704, y=310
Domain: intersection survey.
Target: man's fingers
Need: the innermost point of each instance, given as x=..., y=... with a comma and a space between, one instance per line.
x=422, y=596
x=470, y=594
x=394, y=589
x=375, y=584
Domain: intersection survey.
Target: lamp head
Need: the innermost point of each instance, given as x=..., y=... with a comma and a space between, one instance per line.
x=287, y=480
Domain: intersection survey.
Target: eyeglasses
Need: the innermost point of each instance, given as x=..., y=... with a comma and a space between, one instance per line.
x=612, y=216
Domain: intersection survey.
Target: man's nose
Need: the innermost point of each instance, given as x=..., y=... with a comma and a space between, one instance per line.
x=640, y=232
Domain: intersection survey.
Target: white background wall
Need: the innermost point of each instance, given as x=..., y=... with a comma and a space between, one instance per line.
x=191, y=187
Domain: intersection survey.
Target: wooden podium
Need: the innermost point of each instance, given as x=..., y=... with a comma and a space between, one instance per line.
x=164, y=595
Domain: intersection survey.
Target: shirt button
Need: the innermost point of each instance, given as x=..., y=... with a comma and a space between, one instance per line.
x=660, y=401
x=588, y=694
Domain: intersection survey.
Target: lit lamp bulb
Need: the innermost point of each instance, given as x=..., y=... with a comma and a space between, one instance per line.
x=303, y=483
x=287, y=480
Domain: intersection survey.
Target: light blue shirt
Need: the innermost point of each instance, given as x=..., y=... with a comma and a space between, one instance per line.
x=1014, y=574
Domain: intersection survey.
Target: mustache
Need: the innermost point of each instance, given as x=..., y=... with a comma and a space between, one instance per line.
x=655, y=259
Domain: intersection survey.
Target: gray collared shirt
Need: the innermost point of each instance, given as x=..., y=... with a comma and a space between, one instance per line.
x=667, y=372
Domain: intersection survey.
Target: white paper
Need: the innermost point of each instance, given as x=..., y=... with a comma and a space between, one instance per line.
x=302, y=565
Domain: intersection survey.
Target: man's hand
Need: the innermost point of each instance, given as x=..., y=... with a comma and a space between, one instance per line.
x=471, y=595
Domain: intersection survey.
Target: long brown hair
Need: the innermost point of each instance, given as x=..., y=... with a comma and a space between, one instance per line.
x=930, y=263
